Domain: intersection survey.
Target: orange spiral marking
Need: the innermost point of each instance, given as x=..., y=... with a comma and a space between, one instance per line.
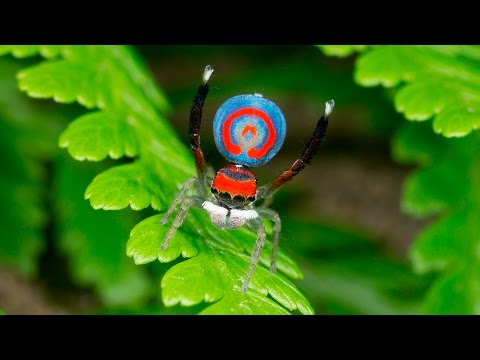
x=247, y=128
x=253, y=153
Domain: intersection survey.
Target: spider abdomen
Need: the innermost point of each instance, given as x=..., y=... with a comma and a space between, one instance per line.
x=234, y=186
x=249, y=129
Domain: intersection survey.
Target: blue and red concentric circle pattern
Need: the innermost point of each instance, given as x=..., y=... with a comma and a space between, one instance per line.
x=249, y=129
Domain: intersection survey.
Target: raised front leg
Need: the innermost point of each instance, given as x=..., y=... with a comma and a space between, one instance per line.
x=196, y=121
x=307, y=155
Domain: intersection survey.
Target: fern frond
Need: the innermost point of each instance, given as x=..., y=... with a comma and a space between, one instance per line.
x=439, y=83
x=127, y=118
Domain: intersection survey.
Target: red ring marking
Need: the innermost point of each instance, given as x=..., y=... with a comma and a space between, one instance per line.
x=254, y=153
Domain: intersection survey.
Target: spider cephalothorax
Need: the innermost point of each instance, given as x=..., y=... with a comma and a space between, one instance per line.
x=249, y=130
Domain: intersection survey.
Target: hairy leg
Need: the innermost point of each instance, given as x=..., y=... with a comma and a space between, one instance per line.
x=178, y=199
x=309, y=152
x=196, y=121
x=185, y=206
x=277, y=227
x=261, y=234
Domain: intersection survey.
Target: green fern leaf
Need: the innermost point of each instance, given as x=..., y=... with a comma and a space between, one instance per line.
x=440, y=83
x=227, y=258
x=425, y=191
x=200, y=274
x=101, y=61
x=446, y=184
x=452, y=230
x=20, y=51
x=97, y=135
x=341, y=50
x=126, y=185
x=146, y=238
x=64, y=82
x=111, y=79
x=456, y=293
x=415, y=143
x=238, y=303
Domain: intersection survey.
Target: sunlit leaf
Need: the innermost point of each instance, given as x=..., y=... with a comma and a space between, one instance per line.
x=440, y=83
x=341, y=50
x=456, y=293
x=98, y=135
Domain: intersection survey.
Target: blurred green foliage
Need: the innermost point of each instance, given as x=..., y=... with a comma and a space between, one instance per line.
x=345, y=269
x=27, y=142
x=441, y=84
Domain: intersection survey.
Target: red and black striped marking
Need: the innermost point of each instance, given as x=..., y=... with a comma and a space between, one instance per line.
x=234, y=186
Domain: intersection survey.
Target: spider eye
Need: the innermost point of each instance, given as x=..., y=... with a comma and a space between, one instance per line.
x=225, y=195
x=213, y=190
x=251, y=198
x=239, y=199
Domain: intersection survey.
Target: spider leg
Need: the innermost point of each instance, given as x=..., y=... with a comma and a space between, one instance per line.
x=182, y=194
x=260, y=228
x=178, y=199
x=307, y=155
x=186, y=203
x=195, y=122
x=266, y=200
x=277, y=227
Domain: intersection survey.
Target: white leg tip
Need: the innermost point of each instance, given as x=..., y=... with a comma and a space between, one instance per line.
x=329, y=107
x=207, y=73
